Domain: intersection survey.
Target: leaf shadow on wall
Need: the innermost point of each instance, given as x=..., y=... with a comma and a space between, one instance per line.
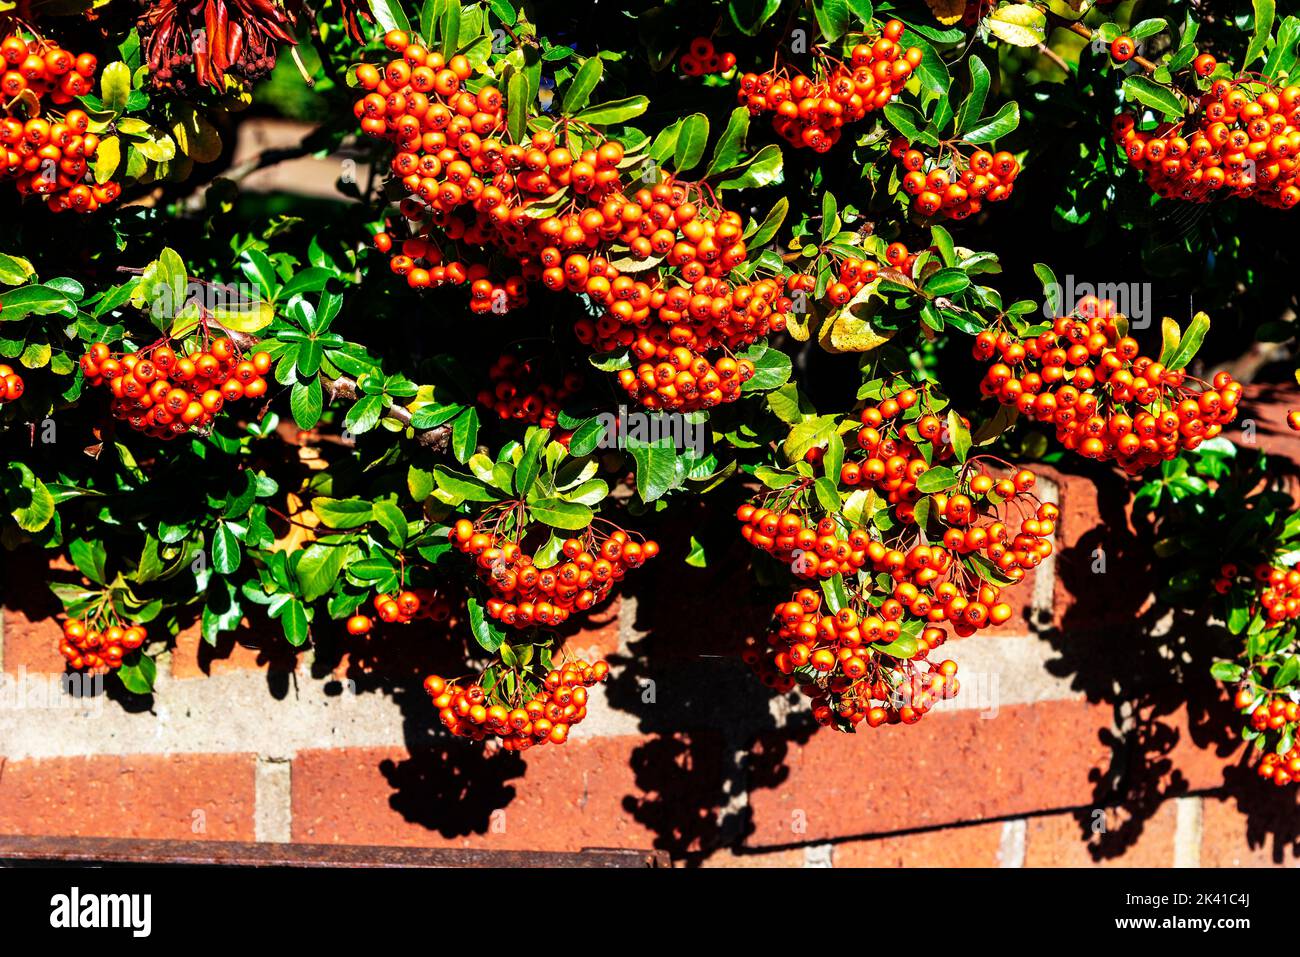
x=445, y=784
x=711, y=734
x=1150, y=664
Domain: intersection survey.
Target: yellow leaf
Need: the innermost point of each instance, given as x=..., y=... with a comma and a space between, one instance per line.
x=947, y=12
x=1021, y=25
x=850, y=329
x=197, y=138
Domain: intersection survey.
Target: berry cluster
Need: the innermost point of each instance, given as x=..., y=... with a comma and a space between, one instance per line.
x=45, y=69
x=525, y=594
x=1275, y=591
x=401, y=608
x=11, y=384
x=811, y=112
x=838, y=661
x=49, y=156
x=545, y=716
x=165, y=393
x=1281, y=769
x=853, y=274
x=811, y=550
x=88, y=647
x=1106, y=400
x=1243, y=140
x=468, y=187
x=189, y=44
x=520, y=392
x=955, y=185
x=703, y=59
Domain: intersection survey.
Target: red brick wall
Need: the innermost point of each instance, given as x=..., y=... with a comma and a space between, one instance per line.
x=1087, y=733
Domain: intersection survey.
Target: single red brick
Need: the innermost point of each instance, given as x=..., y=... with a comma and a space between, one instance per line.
x=954, y=767
x=1263, y=834
x=589, y=792
x=975, y=845
x=179, y=797
x=1061, y=840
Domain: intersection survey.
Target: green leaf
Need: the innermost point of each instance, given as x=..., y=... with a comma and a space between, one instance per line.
x=947, y=282
x=767, y=229
x=835, y=593
x=1190, y=343
x=393, y=521
x=936, y=479
x=14, y=270
x=828, y=496
x=833, y=17
x=115, y=86
x=485, y=631
x=390, y=15
x=904, y=646
x=306, y=401
x=319, y=567
x=342, y=512
x=772, y=368
x=561, y=514
x=767, y=168
x=908, y=120
x=33, y=505
x=584, y=82
x=530, y=461
x=293, y=619
x=656, y=467
x=973, y=105
x=517, y=106
x=614, y=111
x=365, y=415
x=138, y=673
x=692, y=138
x=730, y=146
x=1265, y=12
x=90, y=557
x=1226, y=671
x=32, y=300
x=464, y=434
x=996, y=126
x=226, y=553
x=1150, y=93
x=586, y=437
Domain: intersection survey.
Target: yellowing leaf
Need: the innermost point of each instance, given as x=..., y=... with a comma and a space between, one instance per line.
x=245, y=317
x=1021, y=25
x=947, y=12
x=197, y=138
x=850, y=329
x=107, y=159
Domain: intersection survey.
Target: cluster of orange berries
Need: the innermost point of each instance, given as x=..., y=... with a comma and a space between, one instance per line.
x=546, y=717
x=525, y=595
x=1277, y=590
x=519, y=392
x=88, y=648
x=49, y=156
x=1273, y=713
x=1281, y=769
x=401, y=608
x=1085, y=378
x=831, y=658
x=470, y=187
x=959, y=189
x=812, y=112
x=811, y=551
x=853, y=274
x=164, y=393
x=702, y=59
x=1240, y=142
x=11, y=384
x=45, y=69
